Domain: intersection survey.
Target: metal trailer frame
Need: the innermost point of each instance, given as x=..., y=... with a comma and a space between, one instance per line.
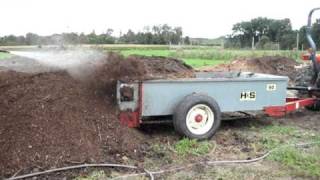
x=232, y=91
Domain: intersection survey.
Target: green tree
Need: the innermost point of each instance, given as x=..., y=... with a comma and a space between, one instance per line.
x=186, y=40
x=259, y=28
x=32, y=39
x=264, y=40
x=315, y=35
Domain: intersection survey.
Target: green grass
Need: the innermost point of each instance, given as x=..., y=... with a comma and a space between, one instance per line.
x=4, y=55
x=231, y=54
x=192, y=147
x=276, y=135
x=196, y=63
x=278, y=129
x=206, y=56
x=144, y=52
x=94, y=175
x=301, y=161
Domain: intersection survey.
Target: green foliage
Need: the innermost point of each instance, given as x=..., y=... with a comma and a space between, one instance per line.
x=263, y=41
x=275, y=135
x=227, y=55
x=203, y=56
x=280, y=130
x=4, y=55
x=95, y=175
x=315, y=35
x=186, y=40
x=146, y=52
x=105, y=38
x=270, y=143
x=280, y=139
x=207, y=42
x=161, y=34
x=303, y=163
x=192, y=147
x=134, y=48
x=196, y=63
x=12, y=40
x=267, y=33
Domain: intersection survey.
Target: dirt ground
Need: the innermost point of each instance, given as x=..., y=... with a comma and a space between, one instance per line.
x=269, y=65
x=53, y=119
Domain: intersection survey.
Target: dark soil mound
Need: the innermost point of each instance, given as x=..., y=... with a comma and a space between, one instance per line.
x=268, y=64
x=52, y=119
x=117, y=67
x=304, y=75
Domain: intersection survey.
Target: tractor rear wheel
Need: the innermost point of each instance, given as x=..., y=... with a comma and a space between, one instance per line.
x=314, y=107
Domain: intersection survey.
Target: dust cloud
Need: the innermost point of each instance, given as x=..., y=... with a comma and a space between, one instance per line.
x=78, y=62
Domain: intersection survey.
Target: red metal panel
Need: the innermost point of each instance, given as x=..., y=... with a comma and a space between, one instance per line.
x=290, y=99
x=291, y=105
x=275, y=111
x=130, y=119
x=133, y=119
x=306, y=57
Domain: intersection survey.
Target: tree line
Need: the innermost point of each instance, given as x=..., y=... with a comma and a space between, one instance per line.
x=258, y=33
x=160, y=34
x=264, y=33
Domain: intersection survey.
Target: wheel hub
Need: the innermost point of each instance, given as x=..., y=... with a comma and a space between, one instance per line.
x=198, y=118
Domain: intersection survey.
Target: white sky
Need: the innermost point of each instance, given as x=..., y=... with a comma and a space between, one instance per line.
x=198, y=18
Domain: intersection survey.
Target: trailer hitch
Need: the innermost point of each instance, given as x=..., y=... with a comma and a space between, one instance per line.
x=301, y=88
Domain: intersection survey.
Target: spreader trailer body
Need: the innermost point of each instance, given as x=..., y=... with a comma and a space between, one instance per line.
x=195, y=104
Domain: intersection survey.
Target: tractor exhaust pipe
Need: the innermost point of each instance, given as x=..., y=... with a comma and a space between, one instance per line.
x=313, y=57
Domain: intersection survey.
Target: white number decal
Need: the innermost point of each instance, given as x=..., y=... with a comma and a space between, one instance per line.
x=271, y=87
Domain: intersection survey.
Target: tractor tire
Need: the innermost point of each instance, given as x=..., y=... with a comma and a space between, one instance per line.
x=314, y=107
x=197, y=116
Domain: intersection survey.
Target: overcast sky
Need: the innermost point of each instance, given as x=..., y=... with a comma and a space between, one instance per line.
x=198, y=18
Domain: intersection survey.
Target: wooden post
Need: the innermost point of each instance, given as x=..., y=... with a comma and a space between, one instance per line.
x=252, y=44
x=222, y=43
x=298, y=41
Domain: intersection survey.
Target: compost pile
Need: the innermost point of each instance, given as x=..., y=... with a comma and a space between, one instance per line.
x=52, y=119
x=276, y=65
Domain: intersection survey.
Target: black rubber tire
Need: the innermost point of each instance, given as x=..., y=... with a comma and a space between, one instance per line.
x=179, y=117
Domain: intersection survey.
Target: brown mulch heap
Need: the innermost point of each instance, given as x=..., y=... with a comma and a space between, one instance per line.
x=143, y=68
x=53, y=119
x=269, y=64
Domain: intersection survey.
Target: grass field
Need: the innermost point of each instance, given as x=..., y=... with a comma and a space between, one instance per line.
x=4, y=55
x=198, y=57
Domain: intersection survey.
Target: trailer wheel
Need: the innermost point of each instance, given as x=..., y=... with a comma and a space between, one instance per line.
x=197, y=116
